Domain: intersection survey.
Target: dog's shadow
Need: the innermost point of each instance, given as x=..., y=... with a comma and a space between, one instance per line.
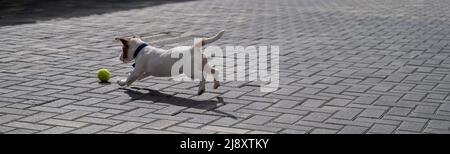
x=156, y=96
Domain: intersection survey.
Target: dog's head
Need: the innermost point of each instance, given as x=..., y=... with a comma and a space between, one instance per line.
x=129, y=44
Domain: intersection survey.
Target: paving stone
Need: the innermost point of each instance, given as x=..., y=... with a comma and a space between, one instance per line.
x=91, y=129
x=425, y=109
x=72, y=115
x=27, y=125
x=286, y=104
x=372, y=113
x=288, y=118
x=38, y=117
x=56, y=130
x=382, y=129
x=258, y=105
x=352, y=130
x=411, y=126
x=125, y=126
x=312, y=103
x=291, y=131
x=347, y=114
x=65, y=123
x=225, y=121
x=399, y=111
x=99, y=121
x=323, y=131
x=339, y=102
x=317, y=116
x=373, y=80
x=225, y=129
x=160, y=124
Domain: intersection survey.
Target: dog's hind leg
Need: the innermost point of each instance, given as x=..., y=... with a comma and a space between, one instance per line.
x=211, y=70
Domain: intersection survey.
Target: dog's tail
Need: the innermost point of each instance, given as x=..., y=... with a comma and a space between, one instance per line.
x=212, y=39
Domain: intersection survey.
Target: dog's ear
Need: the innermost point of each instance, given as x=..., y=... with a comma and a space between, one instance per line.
x=124, y=40
x=136, y=36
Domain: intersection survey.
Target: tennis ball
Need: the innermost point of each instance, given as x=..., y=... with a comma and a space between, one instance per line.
x=103, y=75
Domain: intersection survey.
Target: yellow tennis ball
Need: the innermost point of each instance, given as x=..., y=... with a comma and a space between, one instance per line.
x=103, y=75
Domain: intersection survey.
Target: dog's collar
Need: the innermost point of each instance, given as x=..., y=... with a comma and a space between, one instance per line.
x=138, y=49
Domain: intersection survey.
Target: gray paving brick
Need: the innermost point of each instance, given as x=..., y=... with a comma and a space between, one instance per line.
x=382, y=129
x=38, y=117
x=139, y=112
x=135, y=119
x=8, y=118
x=89, y=101
x=372, y=113
x=27, y=125
x=233, y=94
x=323, y=131
x=49, y=109
x=16, y=111
x=91, y=129
x=59, y=103
x=286, y=104
x=65, y=123
x=190, y=124
x=411, y=126
x=291, y=131
x=399, y=111
x=22, y=131
x=4, y=129
x=189, y=130
x=364, y=100
x=150, y=131
x=439, y=124
x=72, y=115
x=84, y=108
x=339, y=102
x=99, y=121
x=170, y=110
x=425, y=109
x=56, y=130
x=313, y=103
x=318, y=124
x=114, y=106
x=225, y=129
x=288, y=118
x=317, y=117
x=352, y=130
x=125, y=126
x=256, y=127
x=258, y=105
x=160, y=124
x=230, y=107
x=257, y=119
x=100, y=115
x=347, y=114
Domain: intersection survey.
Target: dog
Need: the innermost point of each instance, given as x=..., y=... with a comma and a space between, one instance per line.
x=152, y=61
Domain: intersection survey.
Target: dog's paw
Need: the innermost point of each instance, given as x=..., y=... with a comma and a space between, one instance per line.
x=121, y=82
x=201, y=91
x=216, y=84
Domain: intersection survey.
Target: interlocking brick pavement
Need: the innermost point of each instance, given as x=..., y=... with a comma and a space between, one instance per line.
x=366, y=66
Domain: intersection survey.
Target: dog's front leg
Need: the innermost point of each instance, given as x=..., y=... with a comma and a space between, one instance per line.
x=131, y=78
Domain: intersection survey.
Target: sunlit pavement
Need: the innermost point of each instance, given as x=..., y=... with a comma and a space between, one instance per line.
x=365, y=66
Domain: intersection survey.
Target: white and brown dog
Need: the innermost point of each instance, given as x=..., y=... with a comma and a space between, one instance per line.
x=152, y=61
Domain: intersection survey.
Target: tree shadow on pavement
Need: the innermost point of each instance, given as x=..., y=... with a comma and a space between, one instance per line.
x=29, y=11
x=156, y=96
